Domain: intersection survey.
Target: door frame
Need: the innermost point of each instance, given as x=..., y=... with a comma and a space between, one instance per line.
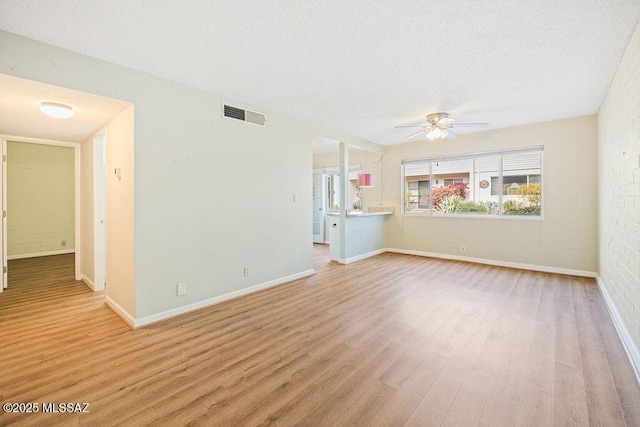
x=99, y=211
x=3, y=224
x=77, y=220
x=323, y=203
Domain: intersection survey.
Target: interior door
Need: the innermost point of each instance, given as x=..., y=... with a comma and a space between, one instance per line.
x=318, y=206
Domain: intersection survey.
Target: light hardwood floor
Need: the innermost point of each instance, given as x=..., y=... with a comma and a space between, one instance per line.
x=389, y=341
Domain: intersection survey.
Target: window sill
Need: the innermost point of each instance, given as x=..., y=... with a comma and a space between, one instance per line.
x=492, y=217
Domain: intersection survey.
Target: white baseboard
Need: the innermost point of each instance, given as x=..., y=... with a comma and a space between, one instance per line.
x=216, y=300
x=532, y=267
x=39, y=254
x=88, y=282
x=362, y=256
x=629, y=347
x=121, y=312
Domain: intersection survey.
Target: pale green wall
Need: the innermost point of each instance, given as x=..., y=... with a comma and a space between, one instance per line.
x=40, y=199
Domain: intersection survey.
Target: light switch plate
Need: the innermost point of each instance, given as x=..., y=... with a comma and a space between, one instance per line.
x=182, y=288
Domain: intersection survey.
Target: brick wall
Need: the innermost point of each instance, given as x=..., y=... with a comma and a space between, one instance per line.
x=619, y=189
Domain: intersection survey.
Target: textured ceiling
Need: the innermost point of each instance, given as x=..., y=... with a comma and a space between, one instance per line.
x=359, y=66
x=20, y=113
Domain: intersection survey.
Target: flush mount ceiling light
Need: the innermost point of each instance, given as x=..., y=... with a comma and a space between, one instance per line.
x=55, y=110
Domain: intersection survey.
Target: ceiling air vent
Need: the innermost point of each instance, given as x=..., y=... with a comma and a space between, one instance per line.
x=244, y=115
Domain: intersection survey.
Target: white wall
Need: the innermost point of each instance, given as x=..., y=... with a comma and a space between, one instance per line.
x=120, y=265
x=86, y=209
x=326, y=160
x=120, y=262
x=195, y=217
x=364, y=235
x=619, y=189
x=565, y=238
x=40, y=199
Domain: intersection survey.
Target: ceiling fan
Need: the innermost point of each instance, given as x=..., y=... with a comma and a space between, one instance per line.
x=440, y=125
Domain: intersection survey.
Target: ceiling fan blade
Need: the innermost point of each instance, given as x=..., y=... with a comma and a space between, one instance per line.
x=470, y=125
x=445, y=121
x=414, y=126
x=415, y=134
x=451, y=135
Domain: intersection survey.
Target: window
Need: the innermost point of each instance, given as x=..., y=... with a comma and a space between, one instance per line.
x=510, y=184
x=497, y=184
x=418, y=194
x=453, y=181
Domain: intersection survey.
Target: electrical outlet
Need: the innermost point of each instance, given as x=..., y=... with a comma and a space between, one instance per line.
x=182, y=288
x=245, y=270
x=463, y=249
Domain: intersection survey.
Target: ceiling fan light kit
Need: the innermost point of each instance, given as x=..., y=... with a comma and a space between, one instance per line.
x=440, y=126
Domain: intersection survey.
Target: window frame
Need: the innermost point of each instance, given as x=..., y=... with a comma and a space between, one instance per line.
x=474, y=156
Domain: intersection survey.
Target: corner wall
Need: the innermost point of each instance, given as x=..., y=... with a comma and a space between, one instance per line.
x=619, y=192
x=565, y=239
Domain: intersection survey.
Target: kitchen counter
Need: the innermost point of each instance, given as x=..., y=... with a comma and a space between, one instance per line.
x=360, y=214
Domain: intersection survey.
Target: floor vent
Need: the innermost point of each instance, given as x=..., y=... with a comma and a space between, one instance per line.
x=244, y=115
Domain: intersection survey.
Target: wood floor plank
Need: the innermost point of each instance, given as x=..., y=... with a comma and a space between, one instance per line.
x=536, y=408
x=468, y=404
x=434, y=406
x=404, y=366
x=541, y=358
x=567, y=340
x=569, y=399
x=505, y=392
x=602, y=397
x=391, y=340
x=345, y=402
x=400, y=405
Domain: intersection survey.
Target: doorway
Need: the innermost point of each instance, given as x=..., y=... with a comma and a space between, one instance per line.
x=325, y=154
x=319, y=204
x=41, y=201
